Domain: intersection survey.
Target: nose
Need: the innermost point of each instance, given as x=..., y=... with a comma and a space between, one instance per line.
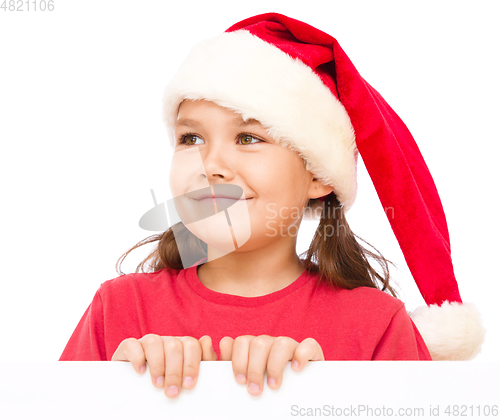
x=218, y=162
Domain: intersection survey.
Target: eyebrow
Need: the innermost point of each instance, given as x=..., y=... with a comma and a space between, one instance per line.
x=189, y=122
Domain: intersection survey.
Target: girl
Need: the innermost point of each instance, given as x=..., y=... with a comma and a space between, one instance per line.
x=266, y=121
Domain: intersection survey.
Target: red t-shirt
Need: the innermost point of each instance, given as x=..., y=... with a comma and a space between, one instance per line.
x=359, y=324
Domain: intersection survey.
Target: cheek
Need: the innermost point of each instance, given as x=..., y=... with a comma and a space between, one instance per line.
x=186, y=166
x=282, y=196
x=281, y=183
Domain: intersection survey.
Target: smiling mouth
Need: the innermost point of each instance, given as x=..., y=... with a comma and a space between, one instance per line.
x=220, y=200
x=218, y=196
x=218, y=204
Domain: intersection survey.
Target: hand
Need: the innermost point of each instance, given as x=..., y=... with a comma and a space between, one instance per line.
x=251, y=356
x=171, y=359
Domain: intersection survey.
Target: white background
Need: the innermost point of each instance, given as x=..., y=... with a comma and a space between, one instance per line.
x=83, y=142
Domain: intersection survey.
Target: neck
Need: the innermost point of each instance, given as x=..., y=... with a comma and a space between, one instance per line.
x=254, y=272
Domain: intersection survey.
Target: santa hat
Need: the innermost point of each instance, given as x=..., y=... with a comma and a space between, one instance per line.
x=298, y=83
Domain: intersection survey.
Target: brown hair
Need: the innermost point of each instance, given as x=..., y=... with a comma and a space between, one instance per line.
x=334, y=254
x=338, y=258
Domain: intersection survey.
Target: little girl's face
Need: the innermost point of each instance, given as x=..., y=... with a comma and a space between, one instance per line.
x=215, y=148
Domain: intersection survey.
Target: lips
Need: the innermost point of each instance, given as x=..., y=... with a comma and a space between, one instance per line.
x=219, y=192
x=221, y=202
x=232, y=192
x=205, y=197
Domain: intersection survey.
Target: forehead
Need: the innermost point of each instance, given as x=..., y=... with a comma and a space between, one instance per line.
x=189, y=110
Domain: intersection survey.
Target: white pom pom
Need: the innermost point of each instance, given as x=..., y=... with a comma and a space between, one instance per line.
x=452, y=331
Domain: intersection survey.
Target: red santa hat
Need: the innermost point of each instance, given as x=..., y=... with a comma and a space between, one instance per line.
x=298, y=83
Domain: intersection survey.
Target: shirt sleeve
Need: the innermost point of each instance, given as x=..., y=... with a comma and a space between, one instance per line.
x=87, y=341
x=401, y=340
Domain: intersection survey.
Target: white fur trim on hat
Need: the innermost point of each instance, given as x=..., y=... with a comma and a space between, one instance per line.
x=452, y=331
x=241, y=72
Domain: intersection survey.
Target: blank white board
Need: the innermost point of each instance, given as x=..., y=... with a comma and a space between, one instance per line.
x=109, y=390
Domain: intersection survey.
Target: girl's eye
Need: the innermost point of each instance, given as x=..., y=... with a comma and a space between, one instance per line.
x=247, y=139
x=189, y=139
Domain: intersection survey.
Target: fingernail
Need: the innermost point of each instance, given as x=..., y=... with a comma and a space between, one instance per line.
x=241, y=378
x=271, y=381
x=188, y=381
x=172, y=390
x=295, y=364
x=142, y=369
x=253, y=387
x=160, y=380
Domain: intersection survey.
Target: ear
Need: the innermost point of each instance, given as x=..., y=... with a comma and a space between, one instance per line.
x=318, y=189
